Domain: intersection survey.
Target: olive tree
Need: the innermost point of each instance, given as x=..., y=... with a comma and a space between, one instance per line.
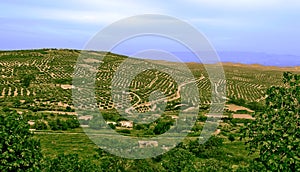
x=275, y=134
x=27, y=79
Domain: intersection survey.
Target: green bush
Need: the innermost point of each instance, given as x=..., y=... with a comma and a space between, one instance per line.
x=27, y=79
x=97, y=123
x=231, y=137
x=70, y=163
x=124, y=131
x=72, y=123
x=40, y=125
x=18, y=150
x=112, y=126
x=162, y=126
x=275, y=133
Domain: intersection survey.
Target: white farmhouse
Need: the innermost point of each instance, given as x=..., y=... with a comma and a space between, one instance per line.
x=127, y=124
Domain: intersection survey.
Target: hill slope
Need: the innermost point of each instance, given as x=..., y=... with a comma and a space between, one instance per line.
x=52, y=72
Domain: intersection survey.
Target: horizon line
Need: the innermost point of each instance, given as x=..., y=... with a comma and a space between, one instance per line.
x=143, y=58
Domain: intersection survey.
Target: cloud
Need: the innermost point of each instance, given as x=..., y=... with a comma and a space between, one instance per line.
x=245, y=4
x=81, y=11
x=218, y=21
x=84, y=17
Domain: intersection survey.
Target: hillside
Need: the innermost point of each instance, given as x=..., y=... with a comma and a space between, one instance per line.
x=52, y=69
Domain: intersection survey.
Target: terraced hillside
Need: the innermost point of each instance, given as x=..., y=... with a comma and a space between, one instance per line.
x=41, y=80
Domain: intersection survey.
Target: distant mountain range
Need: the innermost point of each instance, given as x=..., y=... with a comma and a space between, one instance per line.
x=260, y=58
x=251, y=58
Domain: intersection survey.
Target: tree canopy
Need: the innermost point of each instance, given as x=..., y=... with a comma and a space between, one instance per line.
x=19, y=151
x=276, y=132
x=26, y=79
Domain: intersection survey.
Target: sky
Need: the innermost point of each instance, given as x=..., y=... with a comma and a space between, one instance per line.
x=268, y=26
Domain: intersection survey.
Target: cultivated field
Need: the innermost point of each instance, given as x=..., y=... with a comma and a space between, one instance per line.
x=50, y=89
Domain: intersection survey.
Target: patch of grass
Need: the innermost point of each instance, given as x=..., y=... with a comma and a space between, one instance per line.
x=70, y=143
